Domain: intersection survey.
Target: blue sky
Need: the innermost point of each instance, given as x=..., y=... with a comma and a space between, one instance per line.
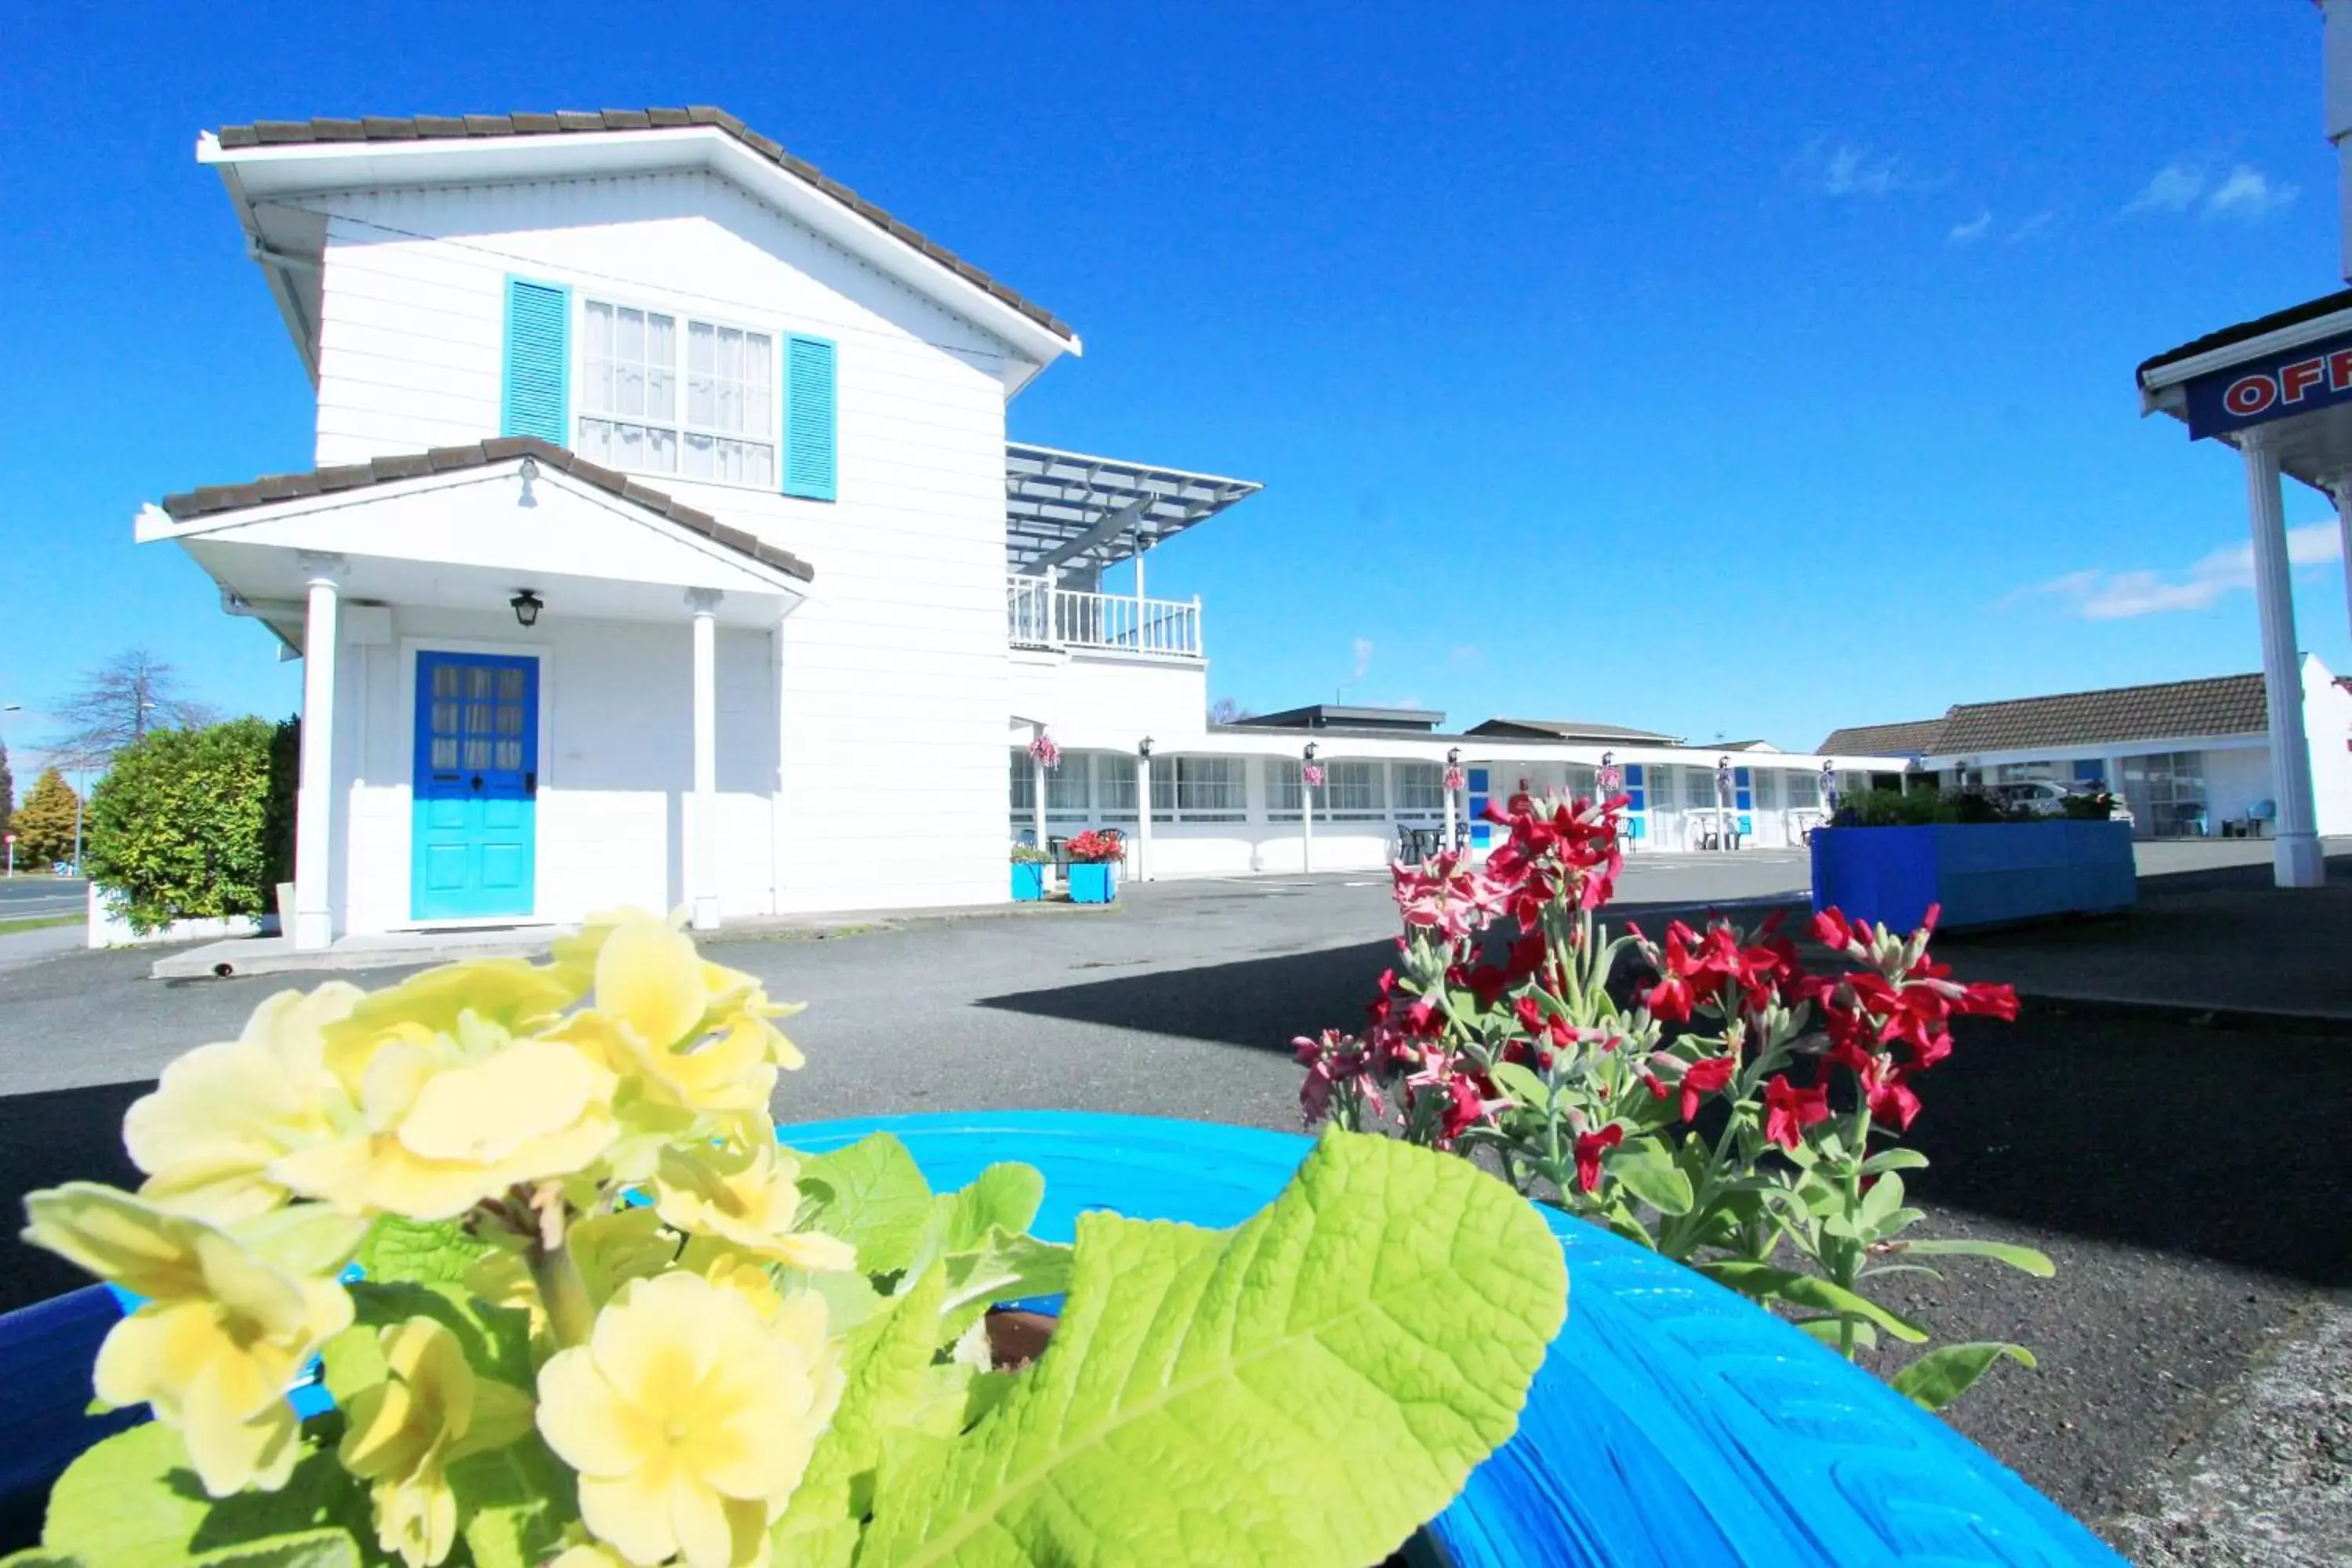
x=1727, y=369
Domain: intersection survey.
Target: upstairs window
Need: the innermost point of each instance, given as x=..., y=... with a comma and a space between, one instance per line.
x=697, y=399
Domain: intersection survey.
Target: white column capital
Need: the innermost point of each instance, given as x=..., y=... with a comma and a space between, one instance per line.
x=323, y=567
x=704, y=601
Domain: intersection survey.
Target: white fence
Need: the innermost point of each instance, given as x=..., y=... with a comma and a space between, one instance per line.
x=1040, y=615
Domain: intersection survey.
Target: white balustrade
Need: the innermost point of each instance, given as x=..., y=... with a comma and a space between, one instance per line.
x=1040, y=615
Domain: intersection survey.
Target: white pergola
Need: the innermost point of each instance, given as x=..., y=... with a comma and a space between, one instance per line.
x=1073, y=514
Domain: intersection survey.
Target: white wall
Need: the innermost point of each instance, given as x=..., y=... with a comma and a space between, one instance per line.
x=2234, y=780
x=894, y=679
x=2328, y=725
x=1109, y=697
x=615, y=764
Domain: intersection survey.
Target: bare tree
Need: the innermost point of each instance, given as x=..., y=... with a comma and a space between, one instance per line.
x=1226, y=710
x=118, y=702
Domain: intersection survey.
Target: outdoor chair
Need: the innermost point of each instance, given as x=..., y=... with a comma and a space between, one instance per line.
x=2260, y=816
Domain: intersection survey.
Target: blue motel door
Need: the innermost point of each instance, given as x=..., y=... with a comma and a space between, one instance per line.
x=476, y=784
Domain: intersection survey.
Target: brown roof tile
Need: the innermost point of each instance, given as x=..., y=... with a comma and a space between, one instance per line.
x=2220, y=705
x=1912, y=736
x=382, y=128
x=214, y=498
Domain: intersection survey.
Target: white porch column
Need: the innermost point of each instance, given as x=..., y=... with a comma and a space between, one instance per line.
x=1450, y=820
x=1037, y=801
x=1142, y=808
x=2340, y=487
x=1305, y=824
x=702, y=862
x=2296, y=861
x=314, y=796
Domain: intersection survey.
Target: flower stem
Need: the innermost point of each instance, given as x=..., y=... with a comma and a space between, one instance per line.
x=563, y=1292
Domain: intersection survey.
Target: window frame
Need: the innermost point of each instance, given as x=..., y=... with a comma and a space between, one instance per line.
x=679, y=426
x=1171, y=789
x=1404, y=777
x=1373, y=773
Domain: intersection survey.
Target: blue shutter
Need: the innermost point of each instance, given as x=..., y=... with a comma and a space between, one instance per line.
x=810, y=447
x=536, y=396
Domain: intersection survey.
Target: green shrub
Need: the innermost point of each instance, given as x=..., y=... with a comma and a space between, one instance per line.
x=278, y=812
x=175, y=830
x=1893, y=808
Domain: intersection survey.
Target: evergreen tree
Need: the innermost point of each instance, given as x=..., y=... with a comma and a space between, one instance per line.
x=44, y=824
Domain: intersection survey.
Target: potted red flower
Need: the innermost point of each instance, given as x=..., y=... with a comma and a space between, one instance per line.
x=1094, y=866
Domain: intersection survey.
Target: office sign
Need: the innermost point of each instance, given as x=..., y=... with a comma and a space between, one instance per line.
x=2275, y=386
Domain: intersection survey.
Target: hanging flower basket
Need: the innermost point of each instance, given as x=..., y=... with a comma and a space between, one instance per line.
x=1454, y=780
x=1312, y=775
x=1046, y=752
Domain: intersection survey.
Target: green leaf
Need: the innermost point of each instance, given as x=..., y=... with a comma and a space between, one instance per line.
x=402, y=1250
x=2025, y=1257
x=1762, y=1283
x=1005, y=1268
x=1652, y=1175
x=311, y=1549
x=1895, y=1159
x=872, y=1195
x=132, y=1501
x=884, y=1366
x=497, y=1340
x=515, y=1501
x=1943, y=1374
x=1284, y=1370
x=1521, y=1084
x=1886, y=1195
x=1830, y=1332
x=1001, y=1197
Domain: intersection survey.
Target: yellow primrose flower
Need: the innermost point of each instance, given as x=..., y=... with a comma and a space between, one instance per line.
x=404, y=1431
x=746, y=1277
x=222, y=1336
x=697, y=1034
x=508, y=994
x=689, y=1419
x=744, y=1195
x=449, y=1120
x=224, y=1112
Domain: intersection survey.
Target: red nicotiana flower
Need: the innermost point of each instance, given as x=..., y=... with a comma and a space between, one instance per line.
x=1589, y=1146
x=1890, y=1098
x=1445, y=896
x=1789, y=1110
x=1701, y=1079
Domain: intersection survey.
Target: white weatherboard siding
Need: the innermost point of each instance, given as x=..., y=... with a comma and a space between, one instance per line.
x=615, y=802
x=1095, y=697
x=894, y=683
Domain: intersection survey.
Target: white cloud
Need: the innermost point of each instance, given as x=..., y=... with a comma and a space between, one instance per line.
x=2248, y=193
x=1973, y=230
x=2174, y=188
x=1850, y=169
x=2033, y=225
x=2241, y=192
x=1363, y=657
x=2101, y=595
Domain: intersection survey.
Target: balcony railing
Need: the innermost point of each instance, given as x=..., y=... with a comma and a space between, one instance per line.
x=1040, y=615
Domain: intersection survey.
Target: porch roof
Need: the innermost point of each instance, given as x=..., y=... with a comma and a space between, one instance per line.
x=210, y=500
x=1072, y=510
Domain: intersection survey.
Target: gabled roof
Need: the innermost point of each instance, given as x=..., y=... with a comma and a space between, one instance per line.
x=2221, y=705
x=1569, y=729
x=1335, y=715
x=214, y=498
x=1913, y=737
x=571, y=122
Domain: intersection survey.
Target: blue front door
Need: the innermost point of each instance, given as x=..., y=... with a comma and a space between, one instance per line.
x=476, y=784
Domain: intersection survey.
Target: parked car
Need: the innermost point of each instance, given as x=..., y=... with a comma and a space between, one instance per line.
x=2047, y=798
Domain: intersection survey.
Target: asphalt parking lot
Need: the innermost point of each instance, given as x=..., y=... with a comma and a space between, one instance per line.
x=2182, y=1177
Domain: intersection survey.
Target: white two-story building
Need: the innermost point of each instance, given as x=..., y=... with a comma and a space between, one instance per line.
x=664, y=547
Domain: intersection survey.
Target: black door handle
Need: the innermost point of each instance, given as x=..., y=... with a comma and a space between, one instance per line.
x=477, y=781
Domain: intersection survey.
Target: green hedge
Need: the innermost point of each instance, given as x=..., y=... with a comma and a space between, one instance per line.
x=180, y=826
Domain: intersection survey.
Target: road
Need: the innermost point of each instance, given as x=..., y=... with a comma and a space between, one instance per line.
x=33, y=897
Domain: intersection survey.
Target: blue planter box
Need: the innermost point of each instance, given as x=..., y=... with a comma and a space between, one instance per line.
x=1028, y=882
x=1996, y=874
x=1094, y=884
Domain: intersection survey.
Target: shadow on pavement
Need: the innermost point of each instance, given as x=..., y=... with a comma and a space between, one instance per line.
x=63, y=1135
x=2149, y=1133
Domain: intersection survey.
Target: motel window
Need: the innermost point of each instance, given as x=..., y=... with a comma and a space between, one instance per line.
x=699, y=402
x=1763, y=789
x=1805, y=791
x=1025, y=782
x=1355, y=790
x=2168, y=790
x=1284, y=793
x=1199, y=789
x=1115, y=785
x=1698, y=787
x=1582, y=781
x=1420, y=789
x=1068, y=798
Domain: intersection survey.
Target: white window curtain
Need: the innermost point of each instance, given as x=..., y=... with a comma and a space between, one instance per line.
x=1355, y=790
x=1284, y=793
x=632, y=415
x=1025, y=782
x=1420, y=789
x=1115, y=785
x=1068, y=798
x=1805, y=791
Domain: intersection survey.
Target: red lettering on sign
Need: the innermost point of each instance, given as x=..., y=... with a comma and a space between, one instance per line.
x=2250, y=394
x=2301, y=377
x=2339, y=370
